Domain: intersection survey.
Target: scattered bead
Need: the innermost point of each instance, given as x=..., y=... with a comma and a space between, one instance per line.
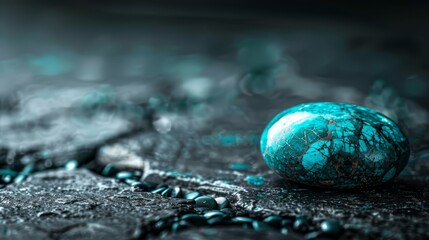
x=71, y=165
x=287, y=223
x=24, y=173
x=167, y=192
x=260, y=226
x=181, y=225
x=227, y=211
x=216, y=220
x=242, y=220
x=124, y=175
x=331, y=226
x=274, y=221
x=192, y=195
x=205, y=202
x=301, y=225
x=159, y=190
x=213, y=213
x=284, y=231
x=109, y=170
x=222, y=202
x=312, y=235
x=177, y=192
x=194, y=219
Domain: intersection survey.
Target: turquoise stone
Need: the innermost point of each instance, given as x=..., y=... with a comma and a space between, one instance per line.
x=334, y=145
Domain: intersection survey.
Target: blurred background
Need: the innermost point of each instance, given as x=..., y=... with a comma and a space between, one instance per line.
x=311, y=49
x=209, y=57
x=339, y=45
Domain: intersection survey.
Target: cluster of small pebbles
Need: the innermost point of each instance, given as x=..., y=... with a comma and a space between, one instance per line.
x=217, y=211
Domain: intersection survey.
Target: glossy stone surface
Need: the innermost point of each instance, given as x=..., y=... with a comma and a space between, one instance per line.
x=334, y=145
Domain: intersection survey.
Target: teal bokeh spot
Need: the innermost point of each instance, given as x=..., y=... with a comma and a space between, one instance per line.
x=239, y=166
x=334, y=145
x=52, y=64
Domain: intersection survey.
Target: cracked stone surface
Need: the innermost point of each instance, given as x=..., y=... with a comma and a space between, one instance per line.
x=63, y=204
x=334, y=145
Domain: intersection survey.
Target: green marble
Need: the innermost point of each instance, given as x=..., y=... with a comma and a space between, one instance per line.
x=334, y=145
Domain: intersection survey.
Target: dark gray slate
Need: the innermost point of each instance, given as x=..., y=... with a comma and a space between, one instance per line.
x=77, y=204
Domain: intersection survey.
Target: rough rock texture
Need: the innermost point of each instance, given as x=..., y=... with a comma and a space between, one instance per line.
x=77, y=204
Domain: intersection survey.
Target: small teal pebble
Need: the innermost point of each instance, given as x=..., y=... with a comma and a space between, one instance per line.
x=7, y=175
x=194, y=219
x=24, y=173
x=124, y=175
x=192, y=195
x=287, y=222
x=316, y=236
x=160, y=225
x=6, y=178
x=71, y=165
x=227, y=211
x=109, y=170
x=8, y=172
x=334, y=145
x=222, y=202
x=260, y=226
x=274, y=221
x=159, y=190
x=216, y=220
x=151, y=185
x=255, y=180
x=214, y=213
x=205, y=202
x=331, y=226
x=177, y=192
x=284, y=231
x=301, y=225
x=167, y=192
x=131, y=182
x=181, y=225
x=242, y=220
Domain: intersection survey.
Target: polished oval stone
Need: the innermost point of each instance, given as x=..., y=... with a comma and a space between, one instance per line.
x=334, y=145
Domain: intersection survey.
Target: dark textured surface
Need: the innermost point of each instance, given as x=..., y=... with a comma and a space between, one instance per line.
x=216, y=154
x=183, y=95
x=398, y=210
x=77, y=204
